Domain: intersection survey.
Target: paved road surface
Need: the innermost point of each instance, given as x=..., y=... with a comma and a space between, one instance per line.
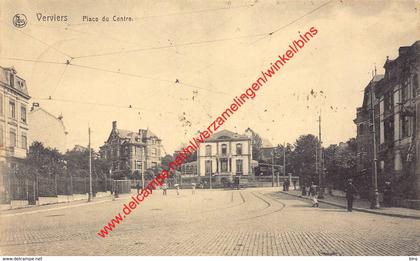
x=219, y=222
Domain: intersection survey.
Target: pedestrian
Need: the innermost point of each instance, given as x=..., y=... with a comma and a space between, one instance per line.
x=193, y=188
x=351, y=191
x=303, y=190
x=287, y=184
x=284, y=184
x=165, y=188
x=138, y=188
x=177, y=188
x=388, y=194
x=307, y=189
x=314, y=195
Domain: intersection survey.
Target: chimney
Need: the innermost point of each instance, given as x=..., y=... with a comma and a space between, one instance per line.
x=114, y=125
x=34, y=105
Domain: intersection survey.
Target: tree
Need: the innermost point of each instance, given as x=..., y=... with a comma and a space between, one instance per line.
x=340, y=162
x=256, y=142
x=43, y=162
x=78, y=164
x=302, y=160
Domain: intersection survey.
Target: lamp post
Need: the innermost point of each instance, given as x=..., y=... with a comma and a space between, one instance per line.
x=375, y=199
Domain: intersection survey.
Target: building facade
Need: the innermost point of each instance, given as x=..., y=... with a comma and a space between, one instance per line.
x=47, y=129
x=396, y=104
x=131, y=153
x=14, y=125
x=224, y=155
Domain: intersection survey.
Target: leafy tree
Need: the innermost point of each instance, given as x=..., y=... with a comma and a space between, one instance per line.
x=340, y=163
x=256, y=142
x=302, y=159
x=44, y=162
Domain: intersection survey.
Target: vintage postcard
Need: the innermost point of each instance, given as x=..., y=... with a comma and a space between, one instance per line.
x=209, y=128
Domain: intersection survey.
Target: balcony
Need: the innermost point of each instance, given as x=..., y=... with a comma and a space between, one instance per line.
x=16, y=152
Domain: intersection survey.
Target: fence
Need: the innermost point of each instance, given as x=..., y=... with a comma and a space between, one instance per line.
x=32, y=189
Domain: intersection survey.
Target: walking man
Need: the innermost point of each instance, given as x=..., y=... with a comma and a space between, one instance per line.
x=351, y=191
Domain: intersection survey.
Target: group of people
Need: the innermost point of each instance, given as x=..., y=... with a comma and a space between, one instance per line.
x=165, y=188
x=312, y=191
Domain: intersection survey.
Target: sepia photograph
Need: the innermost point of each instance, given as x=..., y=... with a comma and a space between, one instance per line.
x=201, y=128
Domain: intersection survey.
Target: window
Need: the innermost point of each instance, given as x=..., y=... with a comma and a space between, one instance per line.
x=208, y=150
x=154, y=165
x=405, y=126
x=12, y=109
x=239, y=149
x=224, y=149
x=138, y=165
x=388, y=102
x=12, y=80
x=404, y=92
x=224, y=165
x=239, y=166
x=1, y=137
x=1, y=104
x=24, y=141
x=208, y=167
x=23, y=113
x=154, y=152
x=415, y=85
x=12, y=138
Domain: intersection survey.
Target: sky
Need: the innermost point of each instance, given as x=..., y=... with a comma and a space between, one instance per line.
x=180, y=63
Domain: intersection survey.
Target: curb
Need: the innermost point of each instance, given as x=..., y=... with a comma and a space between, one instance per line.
x=358, y=209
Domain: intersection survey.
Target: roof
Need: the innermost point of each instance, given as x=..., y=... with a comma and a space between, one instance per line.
x=227, y=135
x=19, y=84
x=39, y=109
x=266, y=143
x=135, y=137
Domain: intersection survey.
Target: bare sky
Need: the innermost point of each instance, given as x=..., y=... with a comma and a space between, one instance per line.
x=137, y=63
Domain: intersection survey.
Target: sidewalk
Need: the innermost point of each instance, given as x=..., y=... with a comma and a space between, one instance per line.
x=361, y=205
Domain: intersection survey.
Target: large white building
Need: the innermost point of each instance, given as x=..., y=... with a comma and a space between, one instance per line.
x=224, y=155
x=47, y=129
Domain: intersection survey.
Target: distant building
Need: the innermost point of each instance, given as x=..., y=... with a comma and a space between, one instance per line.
x=396, y=102
x=47, y=129
x=224, y=155
x=14, y=125
x=131, y=152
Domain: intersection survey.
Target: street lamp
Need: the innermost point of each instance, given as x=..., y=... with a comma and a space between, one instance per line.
x=375, y=201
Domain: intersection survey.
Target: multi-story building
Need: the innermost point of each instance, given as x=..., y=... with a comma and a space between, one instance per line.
x=47, y=129
x=224, y=155
x=131, y=152
x=396, y=103
x=14, y=126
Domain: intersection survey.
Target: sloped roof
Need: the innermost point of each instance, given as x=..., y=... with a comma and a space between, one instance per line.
x=135, y=137
x=39, y=109
x=227, y=135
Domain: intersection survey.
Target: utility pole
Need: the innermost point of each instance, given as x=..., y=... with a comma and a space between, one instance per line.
x=90, y=169
x=321, y=163
x=284, y=160
x=375, y=201
x=272, y=167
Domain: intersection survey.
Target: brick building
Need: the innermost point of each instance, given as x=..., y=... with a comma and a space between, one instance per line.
x=397, y=109
x=131, y=152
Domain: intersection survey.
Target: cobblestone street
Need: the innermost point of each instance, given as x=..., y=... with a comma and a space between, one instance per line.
x=219, y=222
